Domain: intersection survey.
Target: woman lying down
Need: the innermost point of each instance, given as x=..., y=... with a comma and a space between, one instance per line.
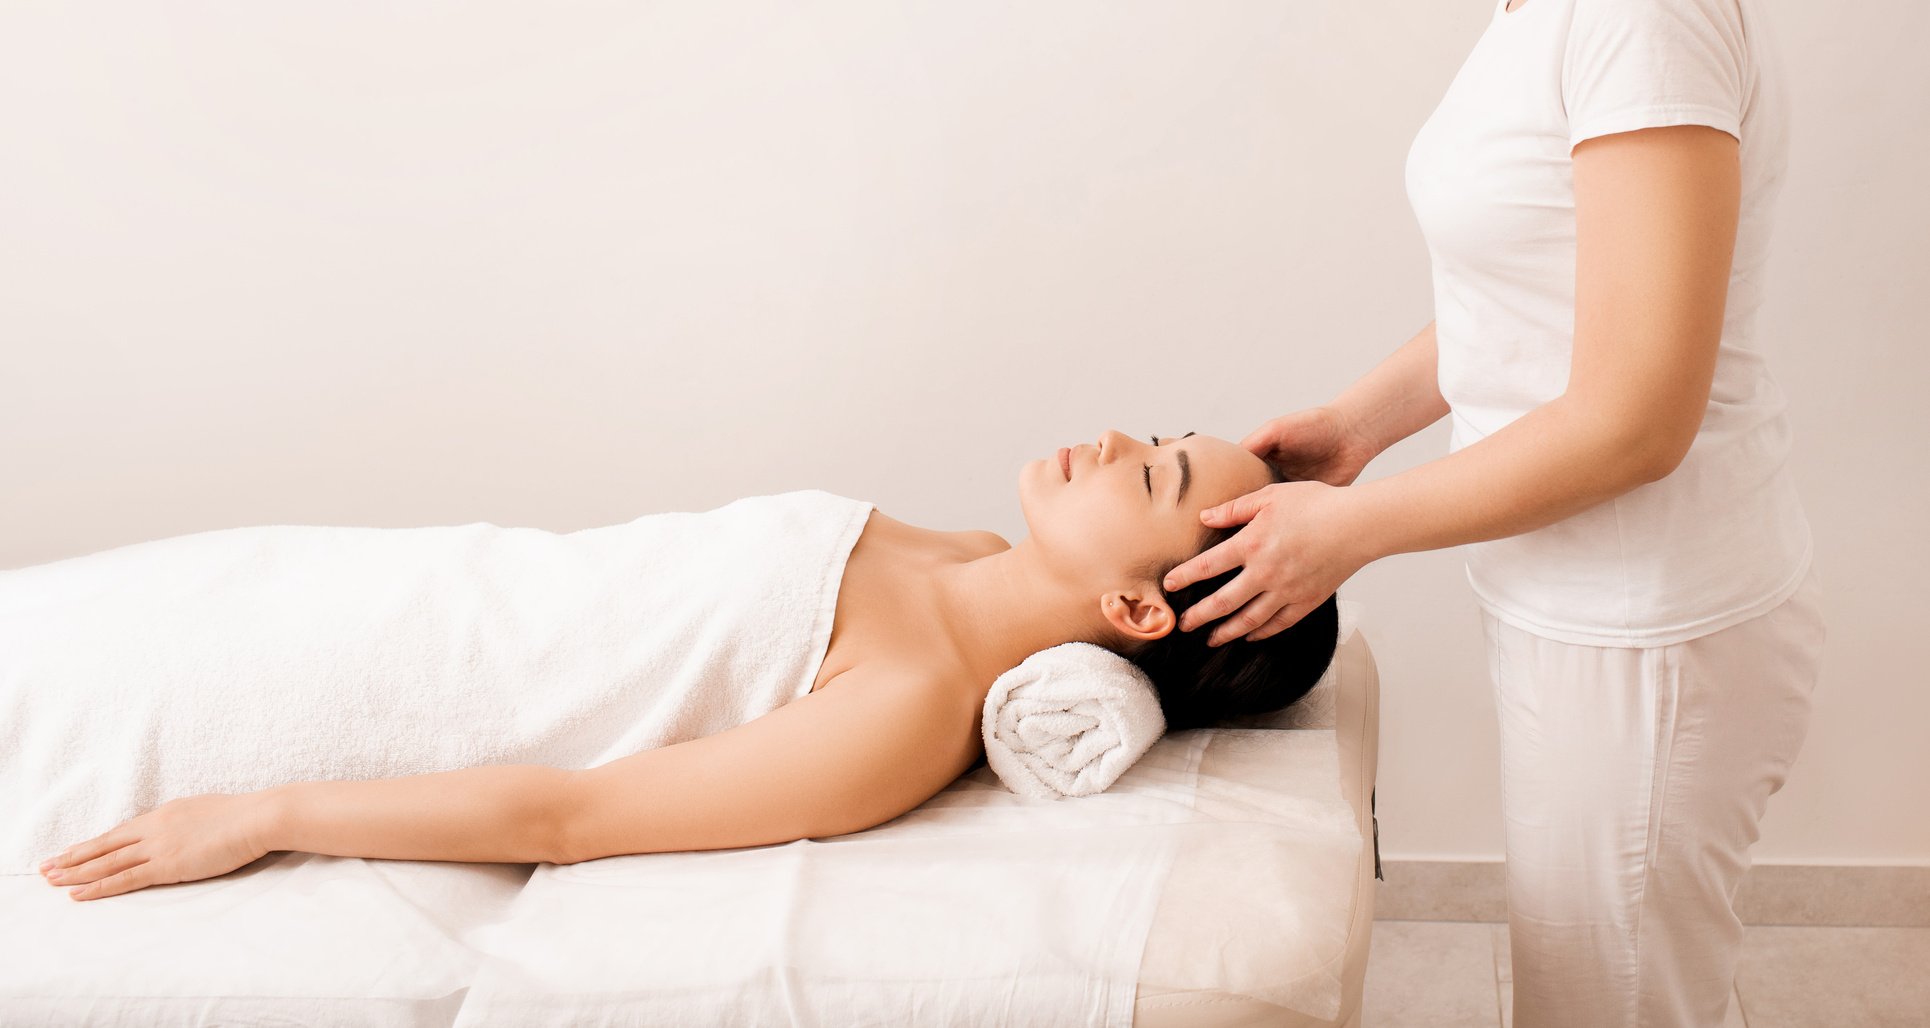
x=779, y=668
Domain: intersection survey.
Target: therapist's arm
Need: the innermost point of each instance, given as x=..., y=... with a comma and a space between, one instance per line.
x=1399, y=397
x=1655, y=220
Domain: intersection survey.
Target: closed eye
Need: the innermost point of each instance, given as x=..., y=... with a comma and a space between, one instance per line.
x=1148, y=468
x=1185, y=473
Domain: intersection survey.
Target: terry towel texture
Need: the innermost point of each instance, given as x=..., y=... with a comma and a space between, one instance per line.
x=1068, y=721
x=243, y=658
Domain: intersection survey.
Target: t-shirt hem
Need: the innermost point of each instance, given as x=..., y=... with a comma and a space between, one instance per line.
x=1629, y=119
x=1646, y=638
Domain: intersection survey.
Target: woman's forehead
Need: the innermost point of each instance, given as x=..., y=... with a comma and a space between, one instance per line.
x=1227, y=457
x=1235, y=470
x=1236, y=455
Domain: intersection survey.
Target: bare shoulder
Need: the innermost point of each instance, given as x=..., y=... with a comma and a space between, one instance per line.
x=884, y=691
x=990, y=542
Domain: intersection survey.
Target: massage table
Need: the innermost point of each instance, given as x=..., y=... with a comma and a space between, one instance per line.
x=1226, y=879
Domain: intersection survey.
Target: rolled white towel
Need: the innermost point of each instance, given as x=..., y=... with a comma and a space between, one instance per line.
x=1069, y=720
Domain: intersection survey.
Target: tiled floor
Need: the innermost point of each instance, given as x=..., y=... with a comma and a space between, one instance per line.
x=1455, y=974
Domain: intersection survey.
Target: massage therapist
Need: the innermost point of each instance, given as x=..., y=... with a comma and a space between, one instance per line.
x=1596, y=189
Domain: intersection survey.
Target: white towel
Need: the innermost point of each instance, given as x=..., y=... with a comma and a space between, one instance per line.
x=1069, y=720
x=239, y=659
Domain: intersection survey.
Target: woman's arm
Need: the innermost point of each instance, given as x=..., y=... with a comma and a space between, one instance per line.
x=1655, y=219
x=868, y=747
x=1401, y=396
x=509, y=813
x=1334, y=442
x=1655, y=224
x=874, y=745
x=834, y=761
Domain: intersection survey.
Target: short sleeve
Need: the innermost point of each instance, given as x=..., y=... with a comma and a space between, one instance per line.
x=1632, y=64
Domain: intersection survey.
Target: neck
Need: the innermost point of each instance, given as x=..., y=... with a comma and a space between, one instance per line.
x=1002, y=608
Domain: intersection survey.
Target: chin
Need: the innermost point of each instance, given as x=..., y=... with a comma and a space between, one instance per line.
x=1026, y=474
x=1032, y=486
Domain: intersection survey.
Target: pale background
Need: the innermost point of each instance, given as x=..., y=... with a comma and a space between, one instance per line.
x=559, y=265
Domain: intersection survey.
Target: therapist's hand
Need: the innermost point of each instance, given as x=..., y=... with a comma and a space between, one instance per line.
x=1317, y=444
x=1294, y=552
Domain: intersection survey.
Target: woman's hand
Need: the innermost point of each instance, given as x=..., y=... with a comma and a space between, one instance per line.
x=182, y=840
x=1317, y=444
x=1296, y=550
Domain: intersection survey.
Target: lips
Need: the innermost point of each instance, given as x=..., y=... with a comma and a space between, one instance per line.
x=1065, y=462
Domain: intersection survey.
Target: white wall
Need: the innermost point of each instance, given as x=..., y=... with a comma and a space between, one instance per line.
x=428, y=263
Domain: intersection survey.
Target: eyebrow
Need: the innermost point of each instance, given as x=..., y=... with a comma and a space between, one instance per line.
x=1185, y=473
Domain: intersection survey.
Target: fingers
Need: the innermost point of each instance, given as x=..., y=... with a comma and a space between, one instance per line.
x=1227, y=598
x=1237, y=511
x=1265, y=441
x=1259, y=442
x=113, y=885
x=1218, y=560
x=102, y=867
x=1258, y=611
x=1287, y=617
x=81, y=853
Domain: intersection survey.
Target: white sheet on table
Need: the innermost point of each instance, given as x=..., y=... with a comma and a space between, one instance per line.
x=979, y=907
x=1224, y=860
x=1259, y=901
x=294, y=938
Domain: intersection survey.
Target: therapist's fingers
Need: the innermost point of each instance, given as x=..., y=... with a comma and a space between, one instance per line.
x=1287, y=617
x=1216, y=561
x=1255, y=613
x=1239, y=510
x=1262, y=441
x=1228, y=598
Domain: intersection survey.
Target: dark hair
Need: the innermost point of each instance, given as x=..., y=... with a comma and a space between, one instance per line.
x=1201, y=686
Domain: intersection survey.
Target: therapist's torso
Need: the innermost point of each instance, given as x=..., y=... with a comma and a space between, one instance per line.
x=1724, y=537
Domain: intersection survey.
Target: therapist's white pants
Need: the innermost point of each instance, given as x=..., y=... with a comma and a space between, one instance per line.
x=1632, y=782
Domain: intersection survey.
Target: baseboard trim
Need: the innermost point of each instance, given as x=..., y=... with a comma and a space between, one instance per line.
x=1771, y=894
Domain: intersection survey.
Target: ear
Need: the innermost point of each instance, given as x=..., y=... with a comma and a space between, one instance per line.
x=1141, y=613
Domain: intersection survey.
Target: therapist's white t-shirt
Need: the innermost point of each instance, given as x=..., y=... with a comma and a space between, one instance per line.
x=1490, y=176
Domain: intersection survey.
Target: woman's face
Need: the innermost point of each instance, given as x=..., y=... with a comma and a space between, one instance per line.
x=1130, y=503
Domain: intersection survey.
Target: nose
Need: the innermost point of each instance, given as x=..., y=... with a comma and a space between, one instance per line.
x=1111, y=443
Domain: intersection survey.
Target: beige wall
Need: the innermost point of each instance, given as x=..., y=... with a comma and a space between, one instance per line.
x=434, y=263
